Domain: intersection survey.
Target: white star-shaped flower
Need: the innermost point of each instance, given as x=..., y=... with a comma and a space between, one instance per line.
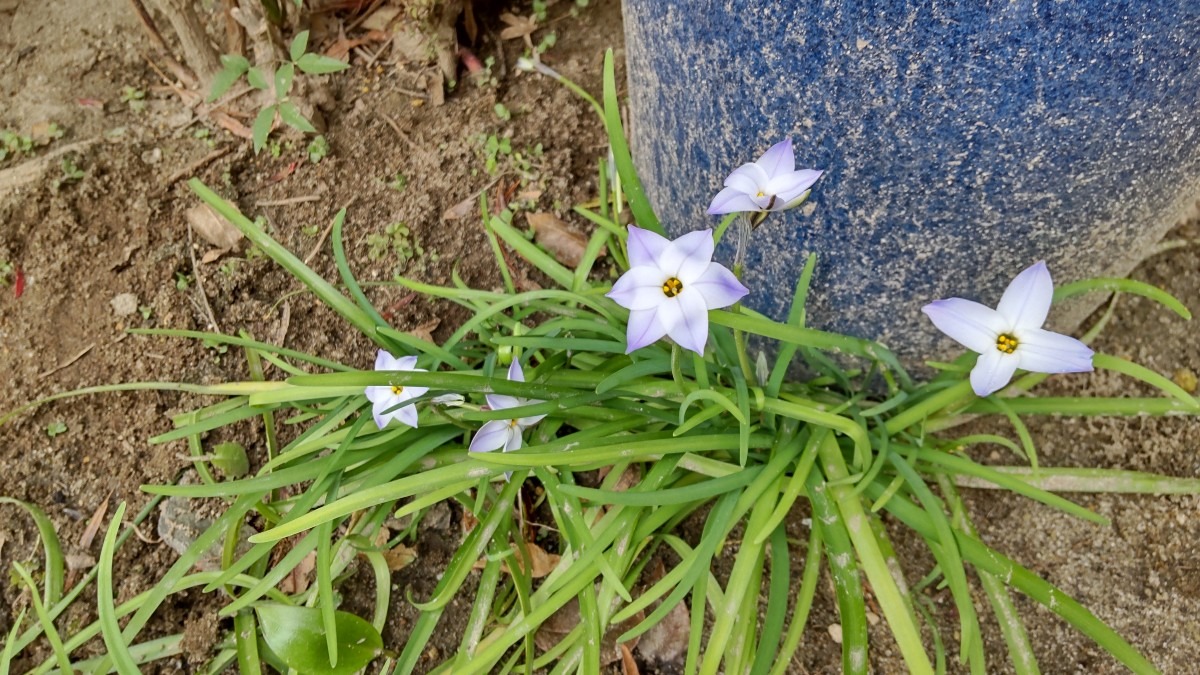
x=1011, y=336
x=670, y=286
x=385, y=399
x=505, y=434
x=770, y=183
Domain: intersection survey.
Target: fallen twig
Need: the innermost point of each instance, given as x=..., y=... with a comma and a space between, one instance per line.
x=68, y=363
x=289, y=200
x=212, y=320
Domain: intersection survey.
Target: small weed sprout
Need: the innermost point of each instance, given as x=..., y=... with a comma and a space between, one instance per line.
x=278, y=83
x=55, y=428
x=133, y=97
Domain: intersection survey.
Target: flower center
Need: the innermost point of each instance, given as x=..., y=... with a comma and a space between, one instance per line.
x=513, y=423
x=1007, y=343
x=760, y=194
x=397, y=389
x=672, y=287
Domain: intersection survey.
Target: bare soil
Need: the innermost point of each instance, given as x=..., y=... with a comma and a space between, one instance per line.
x=119, y=229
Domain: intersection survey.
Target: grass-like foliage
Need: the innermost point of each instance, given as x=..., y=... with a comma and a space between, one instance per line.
x=743, y=448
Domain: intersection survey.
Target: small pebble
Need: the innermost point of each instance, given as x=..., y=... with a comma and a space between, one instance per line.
x=124, y=304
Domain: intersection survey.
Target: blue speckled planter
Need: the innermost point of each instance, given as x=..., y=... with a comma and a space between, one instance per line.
x=961, y=142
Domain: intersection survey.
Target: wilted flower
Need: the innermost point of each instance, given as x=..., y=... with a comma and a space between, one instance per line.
x=506, y=434
x=770, y=184
x=1011, y=336
x=670, y=286
x=384, y=399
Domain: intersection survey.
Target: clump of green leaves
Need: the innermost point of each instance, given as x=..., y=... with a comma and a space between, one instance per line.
x=318, y=149
x=55, y=428
x=6, y=272
x=494, y=149
x=398, y=240
x=13, y=144
x=278, y=82
x=133, y=97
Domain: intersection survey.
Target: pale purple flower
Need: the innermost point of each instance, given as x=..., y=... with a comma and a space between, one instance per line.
x=770, y=184
x=505, y=434
x=1011, y=336
x=384, y=399
x=670, y=286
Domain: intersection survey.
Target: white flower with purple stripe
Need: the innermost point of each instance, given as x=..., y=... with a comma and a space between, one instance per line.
x=505, y=434
x=771, y=183
x=670, y=286
x=1011, y=336
x=385, y=399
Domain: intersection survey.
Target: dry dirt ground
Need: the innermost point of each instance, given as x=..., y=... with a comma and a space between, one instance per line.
x=79, y=243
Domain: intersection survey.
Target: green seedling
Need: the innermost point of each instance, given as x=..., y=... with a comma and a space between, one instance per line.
x=278, y=82
x=134, y=97
x=55, y=428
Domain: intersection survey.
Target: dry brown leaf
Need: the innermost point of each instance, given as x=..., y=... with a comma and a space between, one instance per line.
x=212, y=255
x=518, y=26
x=79, y=561
x=554, y=235
x=469, y=23
x=340, y=49
x=93, y=526
x=542, y=563
x=232, y=125
x=469, y=521
x=461, y=210
x=667, y=640
x=381, y=19
x=44, y=133
x=399, y=557
x=425, y=330
x=298, y=580
x=628, y=665
x=212, y=227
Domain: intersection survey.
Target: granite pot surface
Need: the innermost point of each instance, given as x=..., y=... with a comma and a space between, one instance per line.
x=962, y=141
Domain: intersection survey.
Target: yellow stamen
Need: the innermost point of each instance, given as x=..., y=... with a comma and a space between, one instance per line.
x=397, y=389
x=672, y=287
x=1007, y=343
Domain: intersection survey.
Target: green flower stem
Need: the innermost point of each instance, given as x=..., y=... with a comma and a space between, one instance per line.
x=1020, y=651
x=891, y=601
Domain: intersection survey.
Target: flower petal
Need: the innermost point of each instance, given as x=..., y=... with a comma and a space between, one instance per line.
x=639, y=288
x=993, y=371
x=778, y=159
x=643, y=328
x=379, y=409
x=747, y=178
x=501, y=401
x=413, y=392
x=645, y=247
x=385, y=361
x=513, y=442
x=688, y=256
x=526, y=422
x=731, y=200
x=1042, y=351
x=791, y=185
x=378, y=393
x=691, y=330
x=719, y=287
x=515, y=373
x=491, y=436
x=406, y=363
x=969, y=323
x=1026, y=301
x=407, y=415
